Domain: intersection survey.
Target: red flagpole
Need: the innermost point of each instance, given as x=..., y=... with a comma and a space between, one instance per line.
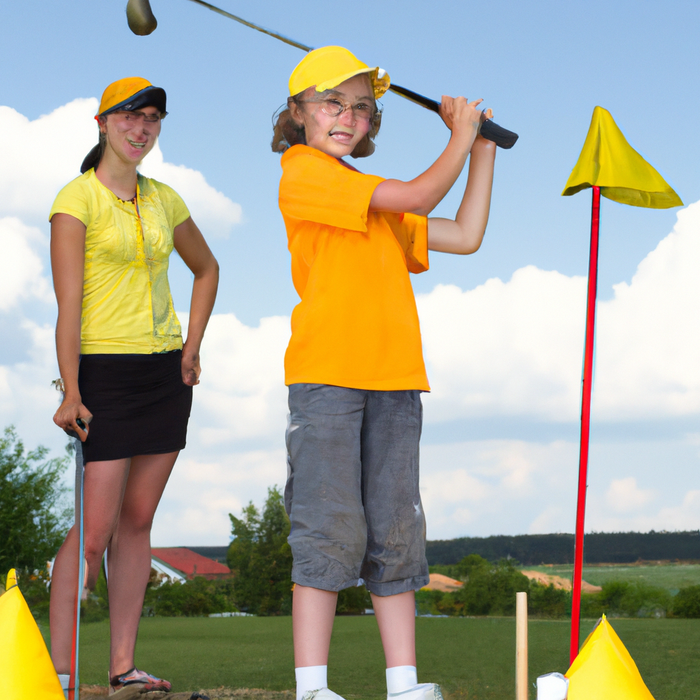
x=585, y=426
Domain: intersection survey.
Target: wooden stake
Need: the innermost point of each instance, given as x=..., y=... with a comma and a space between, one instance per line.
x=521, y=680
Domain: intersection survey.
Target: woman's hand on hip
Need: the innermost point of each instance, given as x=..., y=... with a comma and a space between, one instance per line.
x=190, y=367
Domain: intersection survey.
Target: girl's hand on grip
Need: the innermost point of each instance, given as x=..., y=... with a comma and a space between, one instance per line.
x=459, y=114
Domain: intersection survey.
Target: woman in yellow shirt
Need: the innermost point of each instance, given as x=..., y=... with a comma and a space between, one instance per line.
x=127, y=377
x=354, y=364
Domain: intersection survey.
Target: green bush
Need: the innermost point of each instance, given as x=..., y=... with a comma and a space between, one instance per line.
x=34, y=511
x=644, y=600
x=591, y=605
x=489, y=588
x=427, y=602
x=353, y=601
x=261, y=558
x=35, y=589
x=686, y=603
x=548, y=601
x=634, y=599
x=193, y=598
x=613, y=595
x=96, y=607
x=37, y=592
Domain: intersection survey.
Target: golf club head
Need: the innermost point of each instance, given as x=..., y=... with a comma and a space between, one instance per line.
x=141, y=19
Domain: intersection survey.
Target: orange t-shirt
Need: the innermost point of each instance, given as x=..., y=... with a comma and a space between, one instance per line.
x=357, y=323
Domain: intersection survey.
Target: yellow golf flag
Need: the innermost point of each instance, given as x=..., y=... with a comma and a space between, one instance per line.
x=604, y=670
x=26, y=670
x=609, y=162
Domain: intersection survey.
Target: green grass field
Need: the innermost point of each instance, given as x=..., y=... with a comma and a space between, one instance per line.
x=668, y=576
x=473, y=659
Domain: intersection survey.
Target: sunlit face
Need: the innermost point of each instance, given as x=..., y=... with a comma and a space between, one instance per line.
x=131, y=135
x=338, y=135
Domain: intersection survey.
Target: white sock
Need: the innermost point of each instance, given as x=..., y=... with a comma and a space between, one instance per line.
x=64, y=678
x=400, y=678
x=310, y=678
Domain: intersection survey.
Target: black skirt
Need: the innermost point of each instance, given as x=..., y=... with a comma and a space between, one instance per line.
x=139, y=405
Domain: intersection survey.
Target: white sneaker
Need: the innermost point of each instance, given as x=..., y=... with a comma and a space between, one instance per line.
x=422, y=691
x=321, y=694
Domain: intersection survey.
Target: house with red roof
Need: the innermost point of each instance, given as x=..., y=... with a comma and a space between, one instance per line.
x=179, y=563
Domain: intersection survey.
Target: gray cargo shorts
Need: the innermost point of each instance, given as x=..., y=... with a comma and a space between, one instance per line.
x=352, y=489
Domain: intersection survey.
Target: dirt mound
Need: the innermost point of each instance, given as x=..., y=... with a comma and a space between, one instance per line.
x=440, y=582
x=559, y=582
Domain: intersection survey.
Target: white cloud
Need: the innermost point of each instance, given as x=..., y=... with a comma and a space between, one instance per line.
x=623, y=495
x=486, y=487
x=649, y=333
x=213, y=212
x=683, y=513
x=21, y=267
x=200, y=496
x=505, y=348
x=41, y=156
x=27, y=398
x=516, y=347
x=242, y=395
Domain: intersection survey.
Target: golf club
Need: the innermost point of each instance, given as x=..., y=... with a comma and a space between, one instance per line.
x=79, y=516
x=142, y=22
x=74, y=680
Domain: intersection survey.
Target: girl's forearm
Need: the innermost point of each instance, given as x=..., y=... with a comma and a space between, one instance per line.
x=432, y=185
x=465, y=234
x=422, y=194
x=473, y=213
x=68, y=353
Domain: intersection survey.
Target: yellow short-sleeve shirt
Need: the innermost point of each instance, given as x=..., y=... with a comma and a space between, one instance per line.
x=127, y=305
x=357, y=324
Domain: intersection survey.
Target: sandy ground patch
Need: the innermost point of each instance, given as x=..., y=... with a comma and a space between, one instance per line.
x=559, y=581
x=440, y=582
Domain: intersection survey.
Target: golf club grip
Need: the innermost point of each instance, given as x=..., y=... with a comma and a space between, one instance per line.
x=500, y=136
x=489, y=129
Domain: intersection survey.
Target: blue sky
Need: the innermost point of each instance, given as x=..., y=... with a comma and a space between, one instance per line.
x=503, y=329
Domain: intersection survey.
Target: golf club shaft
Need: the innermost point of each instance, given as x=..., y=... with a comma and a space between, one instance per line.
x=489, y=129
x=257, y=27
x=74, y=694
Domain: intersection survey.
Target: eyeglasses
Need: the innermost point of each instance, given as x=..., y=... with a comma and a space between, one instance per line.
x=135, y=117
x=333, y=107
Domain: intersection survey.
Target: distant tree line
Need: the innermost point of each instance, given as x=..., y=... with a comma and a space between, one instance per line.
x=599, y=548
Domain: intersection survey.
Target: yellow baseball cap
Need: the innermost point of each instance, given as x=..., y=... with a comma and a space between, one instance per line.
x=329, y=66
x=129, y=94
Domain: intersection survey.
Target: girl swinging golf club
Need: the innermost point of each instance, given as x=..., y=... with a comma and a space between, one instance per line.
x=354, y=364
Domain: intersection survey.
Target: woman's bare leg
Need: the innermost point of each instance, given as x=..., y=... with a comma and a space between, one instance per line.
x=129, y=556
x=396, y=617
x=313, y=612
x=102, y=495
